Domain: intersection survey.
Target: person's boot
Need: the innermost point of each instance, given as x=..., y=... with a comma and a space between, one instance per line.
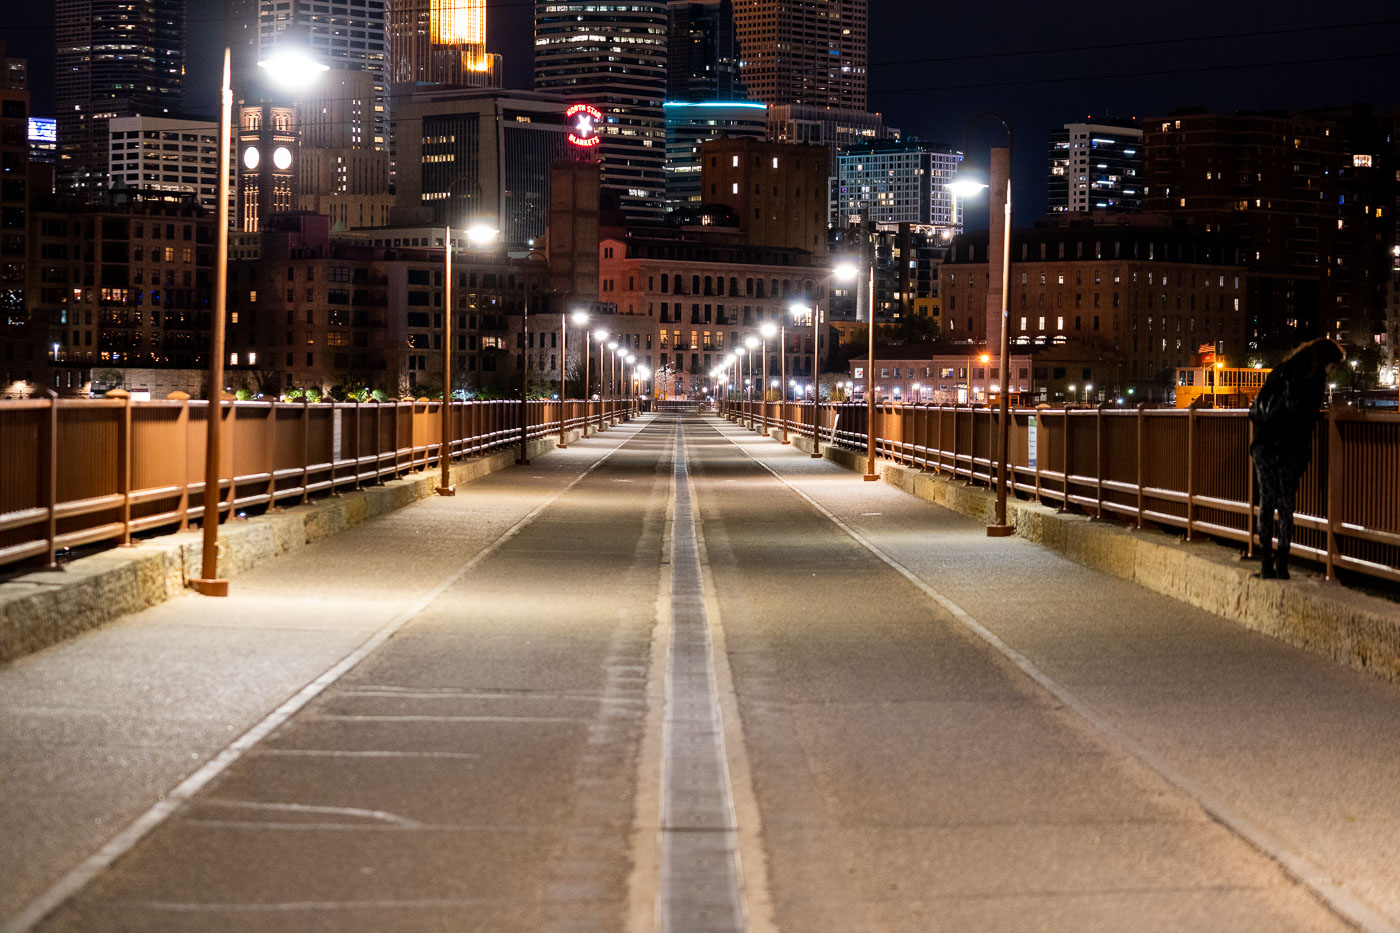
x=1266, y=569
x=1281, y=564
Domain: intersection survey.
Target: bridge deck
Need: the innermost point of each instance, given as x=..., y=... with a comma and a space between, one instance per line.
x=680, y=677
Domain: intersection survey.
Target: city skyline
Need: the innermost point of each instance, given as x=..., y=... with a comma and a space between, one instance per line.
x=1040, y=71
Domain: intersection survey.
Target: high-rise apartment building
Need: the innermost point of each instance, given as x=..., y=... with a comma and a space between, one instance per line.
x=1308, y=196
x=20, y=352
x=1095, y=166
x=702, y=55
x=803, y=52
x=895, y=183
x=345, y=34
x=612, y=56
x=114, y=58
x=341, y=173
x=441, y=42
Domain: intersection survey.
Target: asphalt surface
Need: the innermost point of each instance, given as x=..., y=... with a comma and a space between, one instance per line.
x=680, y=677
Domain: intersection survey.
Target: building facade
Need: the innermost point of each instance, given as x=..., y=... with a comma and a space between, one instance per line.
x=1095, y=167
x=440, y=42
x=612, y=56
x=123, y=283
x=695, y=299
x=345, y=34
x=813, y=54
x=690, y=125
x=895, y=183
x=479, y=157
x=164, y=154
x=1310, y=198
x=702, y=54
x=1143, y=300
x=778, y=191
x=310, y=310
x=340, y=173
x=21, y=355
x=114, y=58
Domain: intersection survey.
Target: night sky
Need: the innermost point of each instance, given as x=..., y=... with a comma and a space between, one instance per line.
x=1040, y=64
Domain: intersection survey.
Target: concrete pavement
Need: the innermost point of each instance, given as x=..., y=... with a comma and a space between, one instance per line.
x=502, y=696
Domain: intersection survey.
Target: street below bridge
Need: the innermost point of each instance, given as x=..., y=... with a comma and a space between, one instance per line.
x=680, y=677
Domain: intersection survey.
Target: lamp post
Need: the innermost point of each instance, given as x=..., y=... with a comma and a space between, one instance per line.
x=612, y=382
x=766, y=329
x=601, y=335
x=752, y=343
x=289, y=67
x=870, y=475
x=782, y=369
x=1000, y=165
x=478, y=235
x=739, y=354
x=580, y=319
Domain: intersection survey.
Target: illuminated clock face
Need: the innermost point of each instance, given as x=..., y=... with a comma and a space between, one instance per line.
x=250, y=157
x=282, y=157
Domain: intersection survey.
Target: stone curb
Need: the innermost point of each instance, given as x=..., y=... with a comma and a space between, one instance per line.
x=1349, y=627
x=42, y=608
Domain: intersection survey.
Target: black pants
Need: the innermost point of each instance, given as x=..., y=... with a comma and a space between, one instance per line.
x=1278, y=486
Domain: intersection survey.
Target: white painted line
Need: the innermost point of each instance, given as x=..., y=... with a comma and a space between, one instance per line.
x=1298, y=866
x=79, y=876
x=339, y=753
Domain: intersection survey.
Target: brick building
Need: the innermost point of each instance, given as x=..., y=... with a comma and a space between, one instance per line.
x=1140, y=300
x=778, y=191
x=124, y=283
x=694, y=299
x=307, y=309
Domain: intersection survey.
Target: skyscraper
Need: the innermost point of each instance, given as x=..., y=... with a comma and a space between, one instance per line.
x=1096, y=166
x=441, y=42
x=897, y=182
x=344, y=34
x=611, y=55
x=702, y=56
x=803, y=52
x=114, y=58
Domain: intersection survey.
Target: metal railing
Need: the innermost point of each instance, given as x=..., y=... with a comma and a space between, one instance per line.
x=77, y=472
x=1183, y=469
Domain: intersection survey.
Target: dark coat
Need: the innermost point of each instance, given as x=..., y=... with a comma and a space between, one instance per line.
x=1286, y=411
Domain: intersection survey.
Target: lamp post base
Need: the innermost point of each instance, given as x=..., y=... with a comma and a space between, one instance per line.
x=522, y=461
x=870, y=477
x=210, y=587
x=786, y=441
x=561, y=446
x=445, y=490
x=1000, y=531
x=815, y=456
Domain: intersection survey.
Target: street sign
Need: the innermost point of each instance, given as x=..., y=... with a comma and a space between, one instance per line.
x=1031, y=441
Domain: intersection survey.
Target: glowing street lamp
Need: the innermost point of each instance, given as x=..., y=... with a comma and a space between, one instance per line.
x=601, y=335
x=580, y=319
x=751, y=343
x=291, y=68
x=612, y=382
x=445, y=487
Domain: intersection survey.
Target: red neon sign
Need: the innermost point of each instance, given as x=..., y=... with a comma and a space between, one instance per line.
x=583, y=121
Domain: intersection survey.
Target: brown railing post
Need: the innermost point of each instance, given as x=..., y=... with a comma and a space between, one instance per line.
x=124, y=462
x=1141, y=455
x=1098, y=462
x=1334, y=489
x=1064, y=464
x=48, y=477
x=1190, y=471
x=305, y=449
x=182, y=423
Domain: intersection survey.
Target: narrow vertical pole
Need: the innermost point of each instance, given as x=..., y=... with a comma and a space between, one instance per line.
x=444, y=486
x=209, y=583
x=524, y=458
x=1334, y=489
x=782, y=378
x=870, y=474
x=48, y=477
x=816, y=367
x=587, y=395
x=563, y=372
x=1000, y=528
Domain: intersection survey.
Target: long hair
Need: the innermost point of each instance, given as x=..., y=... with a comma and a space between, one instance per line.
x=1313, y=357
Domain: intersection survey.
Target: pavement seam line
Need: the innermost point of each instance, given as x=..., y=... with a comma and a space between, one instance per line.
x=1295, y=865
x=702, y=882
x=753, y=861
x=78, y=877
